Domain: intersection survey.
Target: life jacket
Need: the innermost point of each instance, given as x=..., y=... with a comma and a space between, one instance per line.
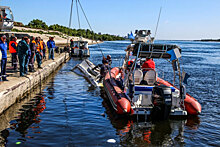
x=11, y=48
x=75, y=48
x=33, y=41
x=38, y=47
x=41, y=44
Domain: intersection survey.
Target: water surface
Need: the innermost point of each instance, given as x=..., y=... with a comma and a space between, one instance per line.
x=68, y=111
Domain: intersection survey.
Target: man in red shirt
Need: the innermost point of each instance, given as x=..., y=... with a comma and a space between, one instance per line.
x=149, y=64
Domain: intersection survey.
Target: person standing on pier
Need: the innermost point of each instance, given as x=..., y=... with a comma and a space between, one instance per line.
x=51, y=45
x=44, y=48
x=32, y=57
x=13, y=50
x=3, y=48
x=39, y=54
x=23, y=55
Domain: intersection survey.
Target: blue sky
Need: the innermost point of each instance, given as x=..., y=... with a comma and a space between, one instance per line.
x=180, y=19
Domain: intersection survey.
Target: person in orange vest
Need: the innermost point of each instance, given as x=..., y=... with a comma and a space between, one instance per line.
x=39, y=54
x=13, y=50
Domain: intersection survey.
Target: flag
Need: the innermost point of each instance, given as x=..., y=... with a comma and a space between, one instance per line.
x=185, y=77
x=175, y=53
x=131, y=36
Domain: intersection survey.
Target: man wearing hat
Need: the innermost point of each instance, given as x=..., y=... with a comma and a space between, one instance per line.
x=3, y=48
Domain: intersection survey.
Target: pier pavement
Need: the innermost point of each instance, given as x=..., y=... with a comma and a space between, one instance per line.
x=12, y=91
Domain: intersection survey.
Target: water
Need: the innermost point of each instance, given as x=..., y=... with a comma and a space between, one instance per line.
x=67, y=111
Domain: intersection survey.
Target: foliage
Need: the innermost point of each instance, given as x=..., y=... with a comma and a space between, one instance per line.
x=39, y=24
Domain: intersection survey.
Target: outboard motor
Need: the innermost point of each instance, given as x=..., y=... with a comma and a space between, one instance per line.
x=162, y=101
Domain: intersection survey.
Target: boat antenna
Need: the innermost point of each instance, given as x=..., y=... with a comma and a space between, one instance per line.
x=90, y=26
x=158, y=22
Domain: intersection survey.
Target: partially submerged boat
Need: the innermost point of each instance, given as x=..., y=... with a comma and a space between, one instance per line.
x=80, y=49
x=88, y=70
x=132, y=91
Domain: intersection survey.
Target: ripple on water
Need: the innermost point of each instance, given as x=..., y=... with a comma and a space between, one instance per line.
x=68, y=110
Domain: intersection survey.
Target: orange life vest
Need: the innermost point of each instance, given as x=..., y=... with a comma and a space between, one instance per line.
x=38, y=47
x=33, y=41
x=11, y=48
x=41, y=44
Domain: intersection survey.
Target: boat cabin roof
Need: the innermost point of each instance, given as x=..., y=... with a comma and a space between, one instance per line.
x=154, y=50
x=4, y=7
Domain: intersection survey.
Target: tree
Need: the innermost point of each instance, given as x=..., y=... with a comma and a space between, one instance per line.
x=39, y=24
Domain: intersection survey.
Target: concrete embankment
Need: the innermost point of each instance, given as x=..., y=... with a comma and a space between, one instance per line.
x=13, y=90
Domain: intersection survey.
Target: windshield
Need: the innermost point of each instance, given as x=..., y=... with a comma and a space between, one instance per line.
x=6, y=14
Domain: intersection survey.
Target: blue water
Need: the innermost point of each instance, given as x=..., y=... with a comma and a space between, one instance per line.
x=68, y=111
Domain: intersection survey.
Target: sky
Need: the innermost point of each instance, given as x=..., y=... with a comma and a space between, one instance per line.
x=180, y=19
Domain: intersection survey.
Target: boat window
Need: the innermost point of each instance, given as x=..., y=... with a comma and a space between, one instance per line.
x=6, y=14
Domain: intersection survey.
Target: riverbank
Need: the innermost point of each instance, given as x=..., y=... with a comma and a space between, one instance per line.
x=11, y=91
x=59, y=37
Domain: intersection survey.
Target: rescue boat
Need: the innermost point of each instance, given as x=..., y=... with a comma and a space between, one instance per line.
x=139, y=93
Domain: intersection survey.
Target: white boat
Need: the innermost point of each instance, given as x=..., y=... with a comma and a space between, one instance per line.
x=80, y=49
x=87, y=69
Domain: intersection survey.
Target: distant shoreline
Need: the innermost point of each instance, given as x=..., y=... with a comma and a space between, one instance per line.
x=208, y=40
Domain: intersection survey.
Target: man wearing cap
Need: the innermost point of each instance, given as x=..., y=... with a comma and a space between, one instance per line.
x=3, y=48
x=51, y=46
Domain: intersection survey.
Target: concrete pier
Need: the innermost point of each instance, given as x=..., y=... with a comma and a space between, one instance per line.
x=11, y=91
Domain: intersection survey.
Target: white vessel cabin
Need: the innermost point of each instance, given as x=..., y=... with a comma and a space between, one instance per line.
x=80, y=49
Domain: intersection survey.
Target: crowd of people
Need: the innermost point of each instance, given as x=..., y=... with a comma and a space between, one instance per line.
x=24, y=53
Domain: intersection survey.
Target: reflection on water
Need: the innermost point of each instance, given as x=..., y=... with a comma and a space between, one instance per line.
x=67, y=111
x=162, y=133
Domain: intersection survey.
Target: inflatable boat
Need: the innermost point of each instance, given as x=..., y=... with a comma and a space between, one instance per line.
x=140, y=92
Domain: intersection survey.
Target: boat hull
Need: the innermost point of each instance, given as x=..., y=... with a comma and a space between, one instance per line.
x=116, y=96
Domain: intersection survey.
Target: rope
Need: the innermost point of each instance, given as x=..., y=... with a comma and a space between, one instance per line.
x=89, y=25
x=70, y=21
x=158, y=22
x=77, y=13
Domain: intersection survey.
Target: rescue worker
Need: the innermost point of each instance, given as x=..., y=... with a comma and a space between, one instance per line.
x=39, y=54
x=149, y=64
x=32, y=57
x=3, y=48
x=104, y=69
x=51, y=46
x=109, y=59
x=13, y=50
x=23, y=55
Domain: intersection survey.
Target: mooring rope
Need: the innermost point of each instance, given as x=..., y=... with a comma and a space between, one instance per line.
x=90, y=26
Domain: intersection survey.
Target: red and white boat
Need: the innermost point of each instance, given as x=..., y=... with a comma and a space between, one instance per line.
x=131, y=91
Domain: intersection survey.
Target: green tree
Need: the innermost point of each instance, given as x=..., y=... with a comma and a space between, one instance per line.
x=39, y=24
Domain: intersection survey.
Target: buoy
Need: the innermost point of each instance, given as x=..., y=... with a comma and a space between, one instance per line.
x=111, y=141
